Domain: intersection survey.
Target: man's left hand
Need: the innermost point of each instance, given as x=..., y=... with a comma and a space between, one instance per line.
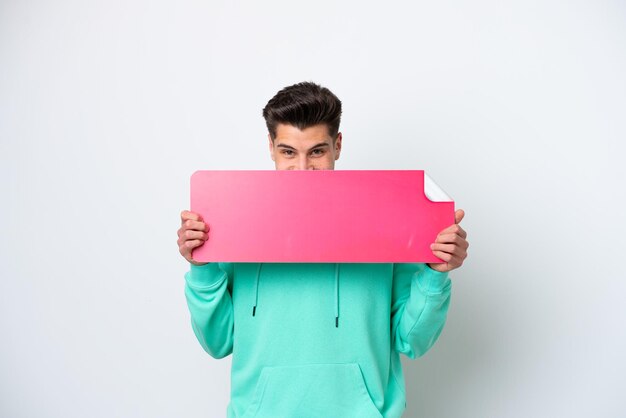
x=450, y=246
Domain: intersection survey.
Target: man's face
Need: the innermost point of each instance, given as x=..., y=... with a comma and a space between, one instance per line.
x=309, y=149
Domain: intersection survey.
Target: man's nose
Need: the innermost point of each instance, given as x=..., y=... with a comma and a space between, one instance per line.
x=303, y=163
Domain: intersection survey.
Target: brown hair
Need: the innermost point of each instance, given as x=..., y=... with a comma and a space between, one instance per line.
x=303, y=105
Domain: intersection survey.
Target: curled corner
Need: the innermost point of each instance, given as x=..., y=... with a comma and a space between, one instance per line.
x=433, y=192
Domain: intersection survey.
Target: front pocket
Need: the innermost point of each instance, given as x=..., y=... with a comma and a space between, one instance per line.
x=312, y=391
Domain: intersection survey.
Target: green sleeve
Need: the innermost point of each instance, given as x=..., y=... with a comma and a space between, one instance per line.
x=210, y=305
x=420, y=302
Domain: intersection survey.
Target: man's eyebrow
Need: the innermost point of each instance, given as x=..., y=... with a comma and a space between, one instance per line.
x=321, y=144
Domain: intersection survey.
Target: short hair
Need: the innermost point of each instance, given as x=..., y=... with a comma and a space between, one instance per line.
x=303, y=105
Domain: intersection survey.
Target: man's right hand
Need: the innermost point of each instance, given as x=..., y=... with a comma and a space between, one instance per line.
x=192, y=234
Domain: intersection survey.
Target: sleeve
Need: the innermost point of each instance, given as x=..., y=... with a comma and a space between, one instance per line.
x=420, y=299
x=210, y=304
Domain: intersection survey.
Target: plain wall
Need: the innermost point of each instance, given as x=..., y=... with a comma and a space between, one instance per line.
x=516, y=108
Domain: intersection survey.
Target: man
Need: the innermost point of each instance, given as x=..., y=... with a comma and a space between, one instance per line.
x=316, y=339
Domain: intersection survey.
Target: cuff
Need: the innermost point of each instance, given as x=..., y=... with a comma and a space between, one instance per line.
x=206, y=275
x=432, y=281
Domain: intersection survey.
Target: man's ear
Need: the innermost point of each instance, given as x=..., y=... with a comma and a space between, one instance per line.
x=271, y=144
x=338, y=146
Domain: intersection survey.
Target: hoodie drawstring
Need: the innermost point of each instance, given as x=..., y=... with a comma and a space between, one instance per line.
x=256, y=289
x=336, y=295
x=256, y=292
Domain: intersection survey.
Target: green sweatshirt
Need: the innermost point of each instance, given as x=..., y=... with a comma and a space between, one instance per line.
x=316, y=340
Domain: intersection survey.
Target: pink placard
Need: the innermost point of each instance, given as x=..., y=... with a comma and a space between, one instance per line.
x=368, y=216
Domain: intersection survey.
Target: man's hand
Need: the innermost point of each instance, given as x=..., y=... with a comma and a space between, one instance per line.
x=450, y=246
x=192, y=233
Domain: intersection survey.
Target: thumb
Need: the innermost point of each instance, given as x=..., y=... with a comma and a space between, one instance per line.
x=458, y=216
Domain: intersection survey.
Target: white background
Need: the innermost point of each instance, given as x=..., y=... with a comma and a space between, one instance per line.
x=516, y=108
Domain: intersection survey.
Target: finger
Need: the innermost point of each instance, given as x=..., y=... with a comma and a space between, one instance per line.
x=446, y=248
x=446, y=257
x=187, y=215
x=458, y=216
x=191, y=244
x=453, y=261
x=456, y=261
x=195, y=225
x=454, y=229
x=188, y=247
x=193, y=235
x=462, y=232
x=451, y=239
x=454, y=250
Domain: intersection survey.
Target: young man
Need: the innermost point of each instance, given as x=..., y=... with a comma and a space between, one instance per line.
x=316, y=339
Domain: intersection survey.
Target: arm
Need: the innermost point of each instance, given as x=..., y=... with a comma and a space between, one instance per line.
x=206, y=289
x=210, y=305
x=419, y=308
x=421, y=293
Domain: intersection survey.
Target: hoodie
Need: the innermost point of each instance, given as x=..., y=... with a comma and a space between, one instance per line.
x=316, y=339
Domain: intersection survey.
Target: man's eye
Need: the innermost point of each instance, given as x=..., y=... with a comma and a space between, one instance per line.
x=317, y=151
x=287, y=152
